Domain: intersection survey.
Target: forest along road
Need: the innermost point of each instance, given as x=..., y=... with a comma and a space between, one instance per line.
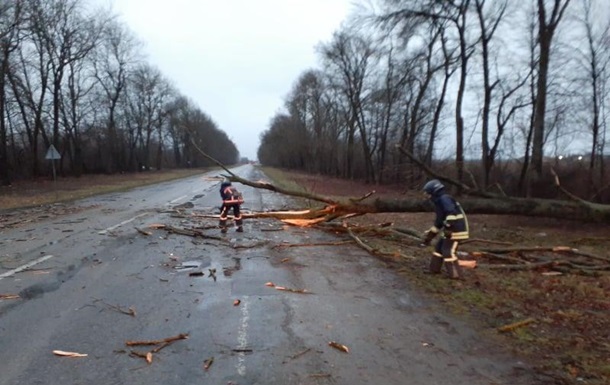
x=89, y=282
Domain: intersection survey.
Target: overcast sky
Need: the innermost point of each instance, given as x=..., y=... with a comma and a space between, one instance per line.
x=236, y=59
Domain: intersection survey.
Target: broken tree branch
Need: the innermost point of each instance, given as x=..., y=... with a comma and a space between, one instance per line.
x=181, y=336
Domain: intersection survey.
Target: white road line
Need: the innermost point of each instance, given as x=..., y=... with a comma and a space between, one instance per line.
x=242, y=337
x=121, y=224
x=24, y=267
x=178, y=199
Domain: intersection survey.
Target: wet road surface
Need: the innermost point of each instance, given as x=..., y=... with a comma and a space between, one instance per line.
x=89, y=282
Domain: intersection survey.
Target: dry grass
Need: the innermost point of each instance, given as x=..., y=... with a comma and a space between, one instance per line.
x=43, y=191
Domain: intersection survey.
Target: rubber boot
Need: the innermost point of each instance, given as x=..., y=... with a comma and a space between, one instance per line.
x=436, y=263
x=223, y=226
x=240, y=228
x=453, y=269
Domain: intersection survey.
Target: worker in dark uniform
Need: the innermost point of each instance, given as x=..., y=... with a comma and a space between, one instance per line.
x=231, y=199
x=452, y=221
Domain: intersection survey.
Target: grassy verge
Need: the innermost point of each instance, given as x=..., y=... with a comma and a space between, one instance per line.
x=46, y=191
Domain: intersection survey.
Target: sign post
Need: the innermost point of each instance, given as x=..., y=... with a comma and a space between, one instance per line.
x=52, y=155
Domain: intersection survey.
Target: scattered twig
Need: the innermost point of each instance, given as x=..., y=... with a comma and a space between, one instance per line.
x=68, y=354
x=9, y=296
x=300, y=354
x=191, y=233
x=339, y=346
x=147, y=233
x=373, y=251
x=414, y=233
x=516, y=325
x=131, y=311
x=299, y=291
x=363, y=197
x=286, y=245
x=490, y=241
x=554, y=249
x=181, y=336
x=148, y=356
x=207, y=363
x=163, y=345
x=320, y=375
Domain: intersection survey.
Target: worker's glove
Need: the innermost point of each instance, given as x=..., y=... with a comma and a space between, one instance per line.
x=428, y=237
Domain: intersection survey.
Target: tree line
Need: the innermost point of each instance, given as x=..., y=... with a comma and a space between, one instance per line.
x=74, y=76
x=495, y=93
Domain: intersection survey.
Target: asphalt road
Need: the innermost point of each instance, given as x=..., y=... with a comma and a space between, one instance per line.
x=79, y=276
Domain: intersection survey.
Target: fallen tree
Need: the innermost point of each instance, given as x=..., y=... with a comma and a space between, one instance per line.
x=475, y=201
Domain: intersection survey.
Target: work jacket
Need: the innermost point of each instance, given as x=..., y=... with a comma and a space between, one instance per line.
x=230, y=195
x=450, y=217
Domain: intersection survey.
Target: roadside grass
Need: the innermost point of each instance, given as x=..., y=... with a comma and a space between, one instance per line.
x=42, y=191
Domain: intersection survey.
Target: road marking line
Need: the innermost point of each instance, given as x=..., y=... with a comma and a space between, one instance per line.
x=178, y=199
x=24, y=267
x=121, y=224
x=242, y=337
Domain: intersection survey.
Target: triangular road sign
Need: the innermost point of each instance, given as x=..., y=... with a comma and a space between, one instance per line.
x=52, y=153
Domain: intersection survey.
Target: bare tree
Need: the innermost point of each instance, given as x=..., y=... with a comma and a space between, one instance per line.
x=594, y=60
x=547, y=26
x=349, y=58
x=488, y=25
x=116, y=57
x=11, y=24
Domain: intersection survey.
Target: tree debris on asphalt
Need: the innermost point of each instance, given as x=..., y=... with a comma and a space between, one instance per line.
x=283, y=288
x=207, y=363
x=299, y=354
x=131, y=311
x=339, y=346
x=143, y=232
x=148, y=356
x=63, y=353
x=9, y=296
x=181, y=336
x=299, y=291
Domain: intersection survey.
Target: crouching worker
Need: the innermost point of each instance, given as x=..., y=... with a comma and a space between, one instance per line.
x=452, y=222
x=231, y=199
